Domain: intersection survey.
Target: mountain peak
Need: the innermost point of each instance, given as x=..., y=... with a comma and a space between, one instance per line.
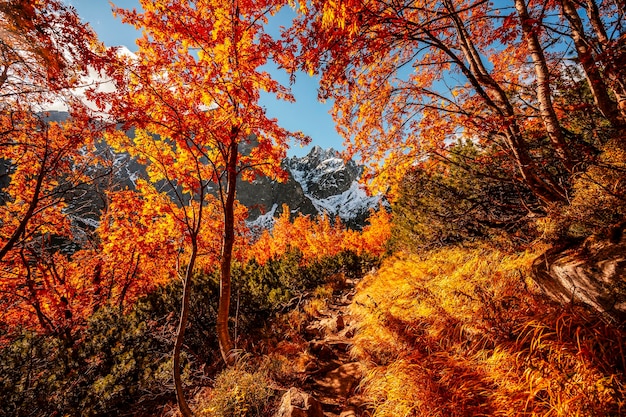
x=321, y=182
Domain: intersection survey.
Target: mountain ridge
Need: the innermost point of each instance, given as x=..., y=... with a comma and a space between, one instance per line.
x=319, y=183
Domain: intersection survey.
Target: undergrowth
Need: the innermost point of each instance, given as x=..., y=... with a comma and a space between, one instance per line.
x=460, y=332
x=238, y=391
x=120, y=363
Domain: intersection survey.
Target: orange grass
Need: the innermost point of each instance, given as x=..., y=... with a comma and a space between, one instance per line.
x=461, y=332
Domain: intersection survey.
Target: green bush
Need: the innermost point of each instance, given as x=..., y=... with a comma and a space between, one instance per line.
x=599, y=195
x=469, y=196
x=264, y=289
x=121, y=361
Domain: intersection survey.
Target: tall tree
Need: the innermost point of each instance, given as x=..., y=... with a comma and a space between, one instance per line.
x=193, y=93
x=601, y=58
x=531, y=34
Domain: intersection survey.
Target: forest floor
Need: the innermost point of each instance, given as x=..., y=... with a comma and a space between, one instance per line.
x=460, y=332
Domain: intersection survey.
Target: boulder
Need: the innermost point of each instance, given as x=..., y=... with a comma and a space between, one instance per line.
x=321, y=349
x=342, y=380
x=296, y=403
x=592, y=273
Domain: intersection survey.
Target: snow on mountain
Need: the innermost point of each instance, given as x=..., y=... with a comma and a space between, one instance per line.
x=264, y=221
x=332, y=185
x=320, y=183
x=323, y=173
x=348, y=205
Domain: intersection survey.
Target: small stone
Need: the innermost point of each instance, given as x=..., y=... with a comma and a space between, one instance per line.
x=342, y=380
x=349, y=333
x=296, y=403
x=348, y=412
x=311, y=367
x=322, y=350
x=340, y=323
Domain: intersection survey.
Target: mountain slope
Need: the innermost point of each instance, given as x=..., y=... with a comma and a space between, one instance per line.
x=320, y=183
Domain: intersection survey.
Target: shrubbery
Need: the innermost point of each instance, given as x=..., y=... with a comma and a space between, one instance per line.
x=238, y=392
x=121, y=361
x=599, y=194
x=118, y=360
x=460, y=199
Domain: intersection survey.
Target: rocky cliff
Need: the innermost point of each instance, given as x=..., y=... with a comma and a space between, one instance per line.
x=319, y=183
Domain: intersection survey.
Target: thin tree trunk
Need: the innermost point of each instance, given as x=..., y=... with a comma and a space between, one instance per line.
x=598, y=87
x=545, y=189
x=32, y=206
x=596, y=22
x=180, y=332
x=544, y=93
x=223, y=335
x=44, y=321
x=613, y=74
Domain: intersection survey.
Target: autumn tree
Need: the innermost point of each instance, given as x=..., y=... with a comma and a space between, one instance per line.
x=45, y=51
x=408, y=78
x=318, y=238
x=193, y=95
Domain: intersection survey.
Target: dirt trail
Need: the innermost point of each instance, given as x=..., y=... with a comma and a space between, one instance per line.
x=332, y=376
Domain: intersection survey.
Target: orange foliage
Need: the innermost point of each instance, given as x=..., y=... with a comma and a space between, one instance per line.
x=409, y=78
x=44, y=51
x=319, y=238
x=47, y=164
x=373, y=238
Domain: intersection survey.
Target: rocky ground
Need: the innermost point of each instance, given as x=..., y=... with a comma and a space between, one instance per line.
x=330, y=388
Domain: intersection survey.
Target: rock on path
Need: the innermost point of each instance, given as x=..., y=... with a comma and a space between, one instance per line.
x=332, y=376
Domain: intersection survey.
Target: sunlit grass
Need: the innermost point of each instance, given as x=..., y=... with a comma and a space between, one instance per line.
x=461, y=332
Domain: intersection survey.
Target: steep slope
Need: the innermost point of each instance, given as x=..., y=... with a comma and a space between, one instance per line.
x=320, y=183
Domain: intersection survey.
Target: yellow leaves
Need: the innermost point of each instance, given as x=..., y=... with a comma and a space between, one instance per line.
x=117, y=139
x=334, y=13
x=141, y=227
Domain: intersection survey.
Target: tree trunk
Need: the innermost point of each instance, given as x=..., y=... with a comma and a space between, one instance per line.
x=546, y=190
x=614, y=69
x=180, y=333
x=598, y=87
x=596, y=22
x=32, y=206
x=544, y=93
x=44, y=321
x=223, y=335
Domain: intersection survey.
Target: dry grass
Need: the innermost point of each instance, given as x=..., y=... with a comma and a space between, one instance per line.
x=459, y=332
x=239, y=391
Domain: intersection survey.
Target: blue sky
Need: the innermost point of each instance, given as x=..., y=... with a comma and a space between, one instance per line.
x=307, y=114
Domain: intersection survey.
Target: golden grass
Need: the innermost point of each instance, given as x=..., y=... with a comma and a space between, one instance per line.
x=238, y=391
x=460, y=332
